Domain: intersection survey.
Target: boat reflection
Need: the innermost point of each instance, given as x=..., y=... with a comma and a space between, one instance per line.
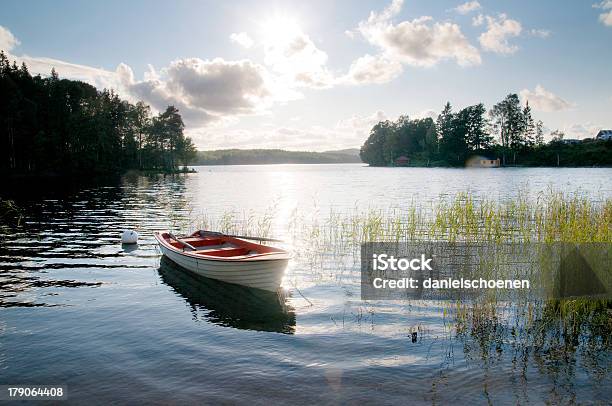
x=227, y=304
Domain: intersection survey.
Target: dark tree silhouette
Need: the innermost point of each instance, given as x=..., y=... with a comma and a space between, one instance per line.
x=69, y=127
x=454, y=137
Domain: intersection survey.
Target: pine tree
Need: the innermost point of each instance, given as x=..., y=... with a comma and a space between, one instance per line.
x=529, y=129
x=444, y=125
x=4, y=63
x=539, y=133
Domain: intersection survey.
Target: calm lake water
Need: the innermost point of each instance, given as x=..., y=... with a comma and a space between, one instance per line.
x=117, y=323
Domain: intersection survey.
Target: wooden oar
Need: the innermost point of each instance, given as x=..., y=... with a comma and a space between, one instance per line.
x=244, y=237
x=186, y=244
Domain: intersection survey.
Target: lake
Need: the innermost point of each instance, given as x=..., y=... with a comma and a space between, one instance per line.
x=117, y=323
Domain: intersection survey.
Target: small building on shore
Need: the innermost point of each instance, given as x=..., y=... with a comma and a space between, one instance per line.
x=604, y=135
x=483, y=162
x=402, y=161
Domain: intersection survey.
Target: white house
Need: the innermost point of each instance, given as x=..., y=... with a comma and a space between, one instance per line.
x=483, y=162
x=604, y=135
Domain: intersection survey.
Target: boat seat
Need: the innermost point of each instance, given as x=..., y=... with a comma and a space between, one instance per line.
x=224, y=252
x=224, y=246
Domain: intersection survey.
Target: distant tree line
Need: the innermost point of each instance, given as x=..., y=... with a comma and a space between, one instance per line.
x=53, y=125
x=508, y=131
x=274, y=156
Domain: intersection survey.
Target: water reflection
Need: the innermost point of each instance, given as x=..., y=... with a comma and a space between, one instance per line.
x=227, y=304
x=21, y=288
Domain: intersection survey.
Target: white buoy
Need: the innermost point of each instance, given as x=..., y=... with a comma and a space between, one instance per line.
x=129, y=237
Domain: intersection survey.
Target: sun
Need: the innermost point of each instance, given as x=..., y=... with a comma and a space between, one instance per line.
x=279, y=28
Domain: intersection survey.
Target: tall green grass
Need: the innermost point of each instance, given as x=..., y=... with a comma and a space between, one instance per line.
x=551, y=218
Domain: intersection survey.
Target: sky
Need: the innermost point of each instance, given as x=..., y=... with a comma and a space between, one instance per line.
x=317, y=75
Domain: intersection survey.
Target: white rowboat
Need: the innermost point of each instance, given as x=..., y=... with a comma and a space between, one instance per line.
x=226, y=258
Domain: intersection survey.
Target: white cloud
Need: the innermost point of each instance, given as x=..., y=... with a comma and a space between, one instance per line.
x=420, y=42
x=204, y=90
x=468, y=7
x=606, y=16
x=362, y=124
x=582, y=130
x=298, y=61
x=242, y=39
x=429, y=113
x=7, y=40
x=540, y=33
x=544, y=100
x=217, y=85
x=499, y=31
x=478, y=20
x=372, y=69
x=95, y=76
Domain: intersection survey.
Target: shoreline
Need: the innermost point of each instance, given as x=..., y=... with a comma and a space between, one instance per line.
x=402, y=166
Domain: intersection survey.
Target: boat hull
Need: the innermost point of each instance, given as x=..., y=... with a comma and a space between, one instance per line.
x=266, y=274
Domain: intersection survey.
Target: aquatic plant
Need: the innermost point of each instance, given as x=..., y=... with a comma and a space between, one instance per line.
x=10, y=213
x=551, y=218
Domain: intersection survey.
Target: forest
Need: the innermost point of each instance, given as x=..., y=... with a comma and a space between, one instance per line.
x=507, y=131
x=54, y=126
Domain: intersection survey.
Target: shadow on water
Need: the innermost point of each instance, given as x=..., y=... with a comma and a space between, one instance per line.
x=227, y=304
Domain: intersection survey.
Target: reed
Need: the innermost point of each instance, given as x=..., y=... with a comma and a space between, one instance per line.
x=551, y=218
x=10, y=213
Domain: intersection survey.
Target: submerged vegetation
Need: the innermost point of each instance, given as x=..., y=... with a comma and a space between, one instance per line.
x=57, y=126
